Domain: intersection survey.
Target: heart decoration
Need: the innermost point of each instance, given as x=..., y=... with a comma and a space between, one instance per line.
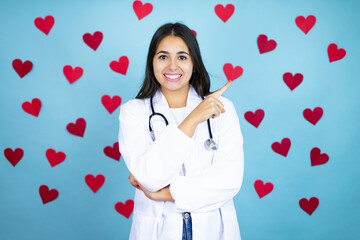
x=22, y=68
x=309, y=206
x=142, y=10
x=32, y=108
x=125, y=209
x=194, y=32
x=317, y=158
x=283, y=147
x=93, y=41
x=110, y=104
x=224, y=13
x=78, y=128
x=264, y=45
x=94, y=183
x=232, y=73
x=113, y=152
x=263, y=189
x=54, y=158
x=334, y=53
x=292, y=81
x=255, y=118
x=72, y=74
x=13, y=156
x=44, y=25
x=313, y=116
x=47, y=195
x=121, y=66
x=307, y=24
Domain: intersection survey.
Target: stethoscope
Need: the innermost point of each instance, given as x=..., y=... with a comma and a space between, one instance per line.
x=209, y=143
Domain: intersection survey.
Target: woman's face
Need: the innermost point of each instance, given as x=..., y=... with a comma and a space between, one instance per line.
x=173, y=66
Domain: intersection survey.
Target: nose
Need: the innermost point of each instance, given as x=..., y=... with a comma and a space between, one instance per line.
x=173, y=65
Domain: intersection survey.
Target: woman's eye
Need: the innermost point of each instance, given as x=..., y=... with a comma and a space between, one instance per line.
x=182, y=58
x=162, y=57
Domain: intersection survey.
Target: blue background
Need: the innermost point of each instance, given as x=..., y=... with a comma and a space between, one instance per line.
x=78, y=213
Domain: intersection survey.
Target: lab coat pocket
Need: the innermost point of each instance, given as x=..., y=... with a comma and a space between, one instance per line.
x=142, y=227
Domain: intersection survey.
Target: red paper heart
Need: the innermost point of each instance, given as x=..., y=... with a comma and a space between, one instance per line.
x=78, y=128
x=47, y=195
x=292, y=81
x=93, y=41
x=232, y=73
x=111, y=104
x=194, y=32
x=283, y=147
x=72, y=74
x=255, y=118
x=113, y=152
x=125, y=209
x=264, y=45
x=313, y=116
x=334, y=53
x=32, y=108
x=45, y=25
x=307, y=24
x=121, y=66
x=263, y=189
x=317, y=158
x=13, y=156
x=22, y=68
x=94, y=183
x=142, y=10
x=224, y=13
x=54, y=158
x=309, y=206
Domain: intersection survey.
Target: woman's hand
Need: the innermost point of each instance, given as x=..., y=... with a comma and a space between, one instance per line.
x=161, y=195
x=209, y=107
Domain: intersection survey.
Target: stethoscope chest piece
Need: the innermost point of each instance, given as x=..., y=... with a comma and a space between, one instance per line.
x=211, y=144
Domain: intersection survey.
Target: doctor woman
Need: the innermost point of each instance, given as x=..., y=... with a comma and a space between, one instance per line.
x=188, y=169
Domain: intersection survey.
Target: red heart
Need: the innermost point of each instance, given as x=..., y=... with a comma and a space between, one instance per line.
x=45, y=25
x=194, y=32
x=232, y=73
x=121, y=66
x=309, y=206
x=54, y=158
x=113, y=152
x=78, y=128
x=141, y=10
x=282, y=148
x=32, y=108
x=255, y=118
x=22, y=68
x=263, y=189
x=224, y=13
x=313, y=116
x=13, y=156
x=317, y=158
x=305, y=25
x=292, y=81
x=111, y=104
x=265, y=45
x=72, y=74
x=94, y=40
x=46, y=195
x=334, y=53
x=94, y=183
x=125, y=209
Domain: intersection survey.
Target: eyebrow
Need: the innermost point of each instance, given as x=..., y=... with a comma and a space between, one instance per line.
x=181, y=52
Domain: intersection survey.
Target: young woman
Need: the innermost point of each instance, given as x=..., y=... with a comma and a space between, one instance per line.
x=183, y=150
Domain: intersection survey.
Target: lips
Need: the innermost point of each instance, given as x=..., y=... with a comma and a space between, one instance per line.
x=172, y=77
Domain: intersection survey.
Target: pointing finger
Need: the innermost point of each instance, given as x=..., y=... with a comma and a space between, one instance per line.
x=220, y=92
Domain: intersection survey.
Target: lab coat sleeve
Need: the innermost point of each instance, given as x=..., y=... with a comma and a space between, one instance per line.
x=221, y=181
x=154, y=164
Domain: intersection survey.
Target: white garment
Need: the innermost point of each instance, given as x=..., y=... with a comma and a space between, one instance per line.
x=211, y=180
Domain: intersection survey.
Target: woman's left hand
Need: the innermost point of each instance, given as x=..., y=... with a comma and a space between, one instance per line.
x=161, y=195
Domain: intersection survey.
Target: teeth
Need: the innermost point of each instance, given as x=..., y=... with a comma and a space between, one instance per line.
x=172, y=76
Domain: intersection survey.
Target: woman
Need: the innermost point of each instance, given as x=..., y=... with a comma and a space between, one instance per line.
x=184, y=188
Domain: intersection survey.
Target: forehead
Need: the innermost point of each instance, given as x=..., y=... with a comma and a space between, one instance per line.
x=172, y=44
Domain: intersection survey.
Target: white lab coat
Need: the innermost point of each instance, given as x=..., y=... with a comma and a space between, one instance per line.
x=211, y=180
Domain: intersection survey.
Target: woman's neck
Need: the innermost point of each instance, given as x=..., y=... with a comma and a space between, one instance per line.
x=176, y=99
